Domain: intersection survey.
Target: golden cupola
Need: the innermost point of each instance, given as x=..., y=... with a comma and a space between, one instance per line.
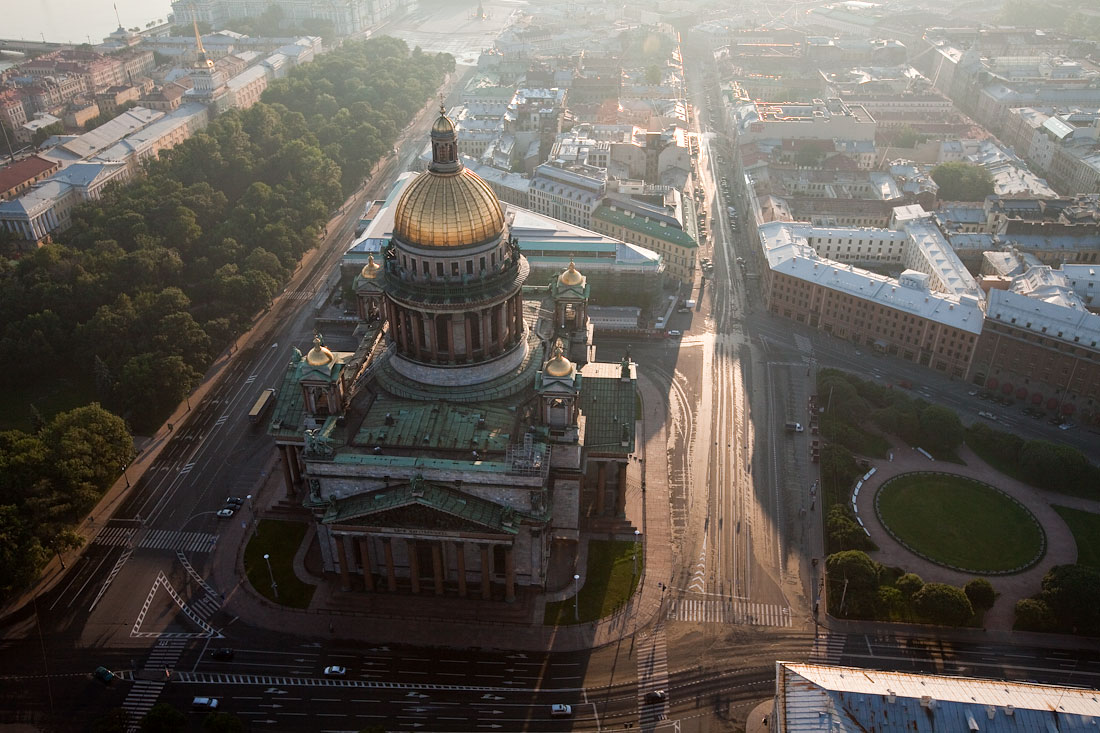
x=447, y=205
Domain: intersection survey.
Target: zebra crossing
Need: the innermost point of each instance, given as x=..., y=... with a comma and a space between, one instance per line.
x=828, y=648
x=140, y=700
x=144, y=694
x=652, y=676
x=156, y=539
x=299, y=294
x=725, y=611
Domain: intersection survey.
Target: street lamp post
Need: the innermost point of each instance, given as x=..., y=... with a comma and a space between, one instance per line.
x=576, y=597
x=274, y=585
x=637, y=534
x=252, y=513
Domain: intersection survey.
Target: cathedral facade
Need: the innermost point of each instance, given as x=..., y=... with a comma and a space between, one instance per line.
x=468, y=437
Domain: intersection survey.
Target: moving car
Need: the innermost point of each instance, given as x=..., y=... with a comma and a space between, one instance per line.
x=204, y=703
x=335, y=671
x=104, y=675
x=655, y=696
x=557, y=710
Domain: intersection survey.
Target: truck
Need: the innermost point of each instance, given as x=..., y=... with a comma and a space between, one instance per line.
x=262, y=404
x=690, y=303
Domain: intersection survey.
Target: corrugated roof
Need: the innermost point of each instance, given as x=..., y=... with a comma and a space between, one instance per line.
x=608, y=404
x=423, y=493
x=435, y=425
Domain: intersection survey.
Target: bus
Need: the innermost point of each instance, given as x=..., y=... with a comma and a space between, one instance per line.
x=263, y=404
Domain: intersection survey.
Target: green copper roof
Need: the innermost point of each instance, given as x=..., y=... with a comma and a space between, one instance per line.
x=286, y=418
x=607, y=403
x=419, y=492
x=644, y=226
x=436, y=425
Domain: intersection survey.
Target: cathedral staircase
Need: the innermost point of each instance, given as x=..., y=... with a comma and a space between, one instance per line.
x=427, y=606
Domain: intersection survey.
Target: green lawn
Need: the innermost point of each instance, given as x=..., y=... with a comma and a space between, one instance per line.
x=958, y=522
x=609, y=581
x=281, y=540
x=1086, y=533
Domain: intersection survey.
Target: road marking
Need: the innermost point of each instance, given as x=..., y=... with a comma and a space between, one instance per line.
x=250, y=380
x=106, y=583
x=186, y=469
x=730, y=612
x=217, y=678
x=162, y=581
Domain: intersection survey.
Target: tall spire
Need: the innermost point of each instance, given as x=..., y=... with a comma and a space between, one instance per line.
x=117, y=17
x=203, y=61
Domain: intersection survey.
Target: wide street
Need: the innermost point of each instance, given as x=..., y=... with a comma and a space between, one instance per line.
x=140, y=598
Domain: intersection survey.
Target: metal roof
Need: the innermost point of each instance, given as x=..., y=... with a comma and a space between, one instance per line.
x=815, y=697
x=608, y=406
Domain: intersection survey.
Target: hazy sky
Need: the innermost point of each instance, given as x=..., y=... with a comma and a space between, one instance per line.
x=75, y=20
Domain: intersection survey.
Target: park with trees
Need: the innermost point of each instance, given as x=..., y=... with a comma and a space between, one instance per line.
x=134, y=301
x=962, y=181
x=954, y=521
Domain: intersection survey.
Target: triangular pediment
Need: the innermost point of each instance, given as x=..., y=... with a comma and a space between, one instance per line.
x=419, y=516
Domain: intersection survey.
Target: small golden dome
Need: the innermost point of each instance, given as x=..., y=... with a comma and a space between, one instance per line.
x=371, y=269
x=448, y=210
x=559, y=366
x=571, y=276
x=319, y=355
x=443, y=124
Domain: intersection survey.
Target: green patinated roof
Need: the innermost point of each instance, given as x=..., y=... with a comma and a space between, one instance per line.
x=419, y=492
x=436, y=425
x=286, y=418
x=607, y=403
x=644, y=226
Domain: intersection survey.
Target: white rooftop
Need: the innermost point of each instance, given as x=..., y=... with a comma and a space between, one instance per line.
x=1071, y=323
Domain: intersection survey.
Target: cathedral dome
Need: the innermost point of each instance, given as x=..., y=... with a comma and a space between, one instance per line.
x=319, y=355
x=448, y=210
x=571, y=276
x=559, y=366
x=371, y=269
x=447, y=205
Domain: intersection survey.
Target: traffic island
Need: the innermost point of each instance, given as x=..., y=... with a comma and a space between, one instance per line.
x=960, y=523
x=269, y=562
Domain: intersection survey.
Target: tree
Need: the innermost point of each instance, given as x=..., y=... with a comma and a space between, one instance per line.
x=43, y=134
x=1073, y=594
x=940, y=603
x=115, y=721
x=981, y=594
x=843, y=531
x=962, y=181
x=89, y=444
x=909, y=584
x=163, y=718
x=1033, y=614
x=889, y=602
x=853, y=580
x=940, y=428
x=222, y=723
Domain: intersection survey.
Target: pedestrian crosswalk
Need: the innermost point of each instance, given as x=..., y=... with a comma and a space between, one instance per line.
x=652, y=677
x=828, y=648
x=165, y=654
x=725, y=611
x=140, y=700
x=156, y=539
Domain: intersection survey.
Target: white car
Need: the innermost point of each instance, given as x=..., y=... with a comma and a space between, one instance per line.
x=227, y=512
x=674, y=333
x=558, y=710
x=205, y=703
x=335, y=671
x=1066, y=426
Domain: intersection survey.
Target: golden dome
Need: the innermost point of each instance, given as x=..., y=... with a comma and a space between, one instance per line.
x=371, y=269
x=443, y=124
x=448, y=210
x=571, y=276
x=319, y=355
x=559, y=366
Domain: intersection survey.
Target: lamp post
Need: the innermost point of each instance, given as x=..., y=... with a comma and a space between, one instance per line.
x=274, y=585
x=637, y=534
x=252, y=513
x=125, y=475
x=576, y=597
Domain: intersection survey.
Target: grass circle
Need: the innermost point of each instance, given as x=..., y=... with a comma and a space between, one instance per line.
x=960, y=523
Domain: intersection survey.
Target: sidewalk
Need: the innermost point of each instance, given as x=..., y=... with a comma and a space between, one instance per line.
x=647, y=507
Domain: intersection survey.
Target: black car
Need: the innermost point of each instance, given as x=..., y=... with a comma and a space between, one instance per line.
x=234, y=501
x=222, y=654
x=655, y=696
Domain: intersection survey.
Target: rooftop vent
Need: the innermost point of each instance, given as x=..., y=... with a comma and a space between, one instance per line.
x=1010, y=711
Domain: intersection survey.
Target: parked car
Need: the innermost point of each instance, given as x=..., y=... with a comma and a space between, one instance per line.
x=1066, y=426
x=204, y=703
x=104, y=675
x=674, y=333
x=557, y=710
x=234, y=501
x=335, y=671
x=229, y=511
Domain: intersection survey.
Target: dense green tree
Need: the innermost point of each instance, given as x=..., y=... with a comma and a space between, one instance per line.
x=222, y=723
x=88, y=445
x=889, y=602
x=940, y=428
x=1033, y=614
x=163, y=718
x=981, y=594
x=44, y=133
x=962, y=181
x=21, y=553
x=114, y=721
x=1073, y=594
x=909, y=584
x=843, y=532
x=940, y=603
